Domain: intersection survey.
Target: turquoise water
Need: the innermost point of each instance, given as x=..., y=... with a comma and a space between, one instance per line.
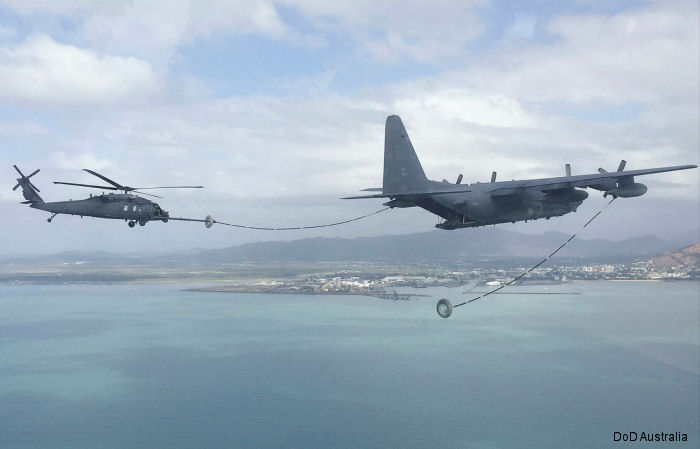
x=150, y=366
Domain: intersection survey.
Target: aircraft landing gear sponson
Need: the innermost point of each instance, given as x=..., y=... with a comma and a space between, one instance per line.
x=132, y=224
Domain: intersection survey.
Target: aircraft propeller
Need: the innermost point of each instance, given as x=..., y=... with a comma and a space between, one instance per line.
x=620, y=167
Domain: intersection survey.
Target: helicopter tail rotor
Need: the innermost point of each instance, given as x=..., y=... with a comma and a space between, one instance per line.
x=26, y=178
x=29, y=190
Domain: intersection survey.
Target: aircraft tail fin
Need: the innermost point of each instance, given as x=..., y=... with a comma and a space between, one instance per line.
x=402, y=169
x=404, y=177
x=29, y=190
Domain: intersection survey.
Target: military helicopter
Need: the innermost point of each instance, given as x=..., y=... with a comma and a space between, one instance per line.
x=121, y=206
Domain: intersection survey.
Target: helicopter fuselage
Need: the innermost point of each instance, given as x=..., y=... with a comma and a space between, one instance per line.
x=117, y=206
x=111, y=205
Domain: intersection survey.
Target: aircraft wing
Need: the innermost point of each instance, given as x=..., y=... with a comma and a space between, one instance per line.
x=564, y=182
x=408, y=195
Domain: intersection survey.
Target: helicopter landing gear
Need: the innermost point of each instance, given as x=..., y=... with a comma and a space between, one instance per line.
x=51, y=218
x=132, y=224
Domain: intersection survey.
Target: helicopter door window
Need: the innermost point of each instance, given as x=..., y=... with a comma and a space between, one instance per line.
x=134, y=209
x=126, y=207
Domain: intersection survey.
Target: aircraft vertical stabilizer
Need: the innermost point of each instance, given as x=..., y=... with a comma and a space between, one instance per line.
x=402, y=169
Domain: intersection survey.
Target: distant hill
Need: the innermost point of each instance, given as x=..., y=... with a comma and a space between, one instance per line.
x=464, y=246
x=687, y=257
x=438, y=246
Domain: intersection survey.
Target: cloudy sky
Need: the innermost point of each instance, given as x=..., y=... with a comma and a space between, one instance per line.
x=278, y=108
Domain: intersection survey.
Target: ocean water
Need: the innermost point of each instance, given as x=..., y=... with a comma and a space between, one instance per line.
x=151, y=366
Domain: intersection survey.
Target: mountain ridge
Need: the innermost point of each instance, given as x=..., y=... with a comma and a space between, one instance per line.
x=424, y=247
x=437, y=246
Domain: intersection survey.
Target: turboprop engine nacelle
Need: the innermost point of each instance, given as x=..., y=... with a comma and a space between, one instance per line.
x=627, y=191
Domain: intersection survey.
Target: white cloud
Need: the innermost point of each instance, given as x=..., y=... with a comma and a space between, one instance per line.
x=451, y=104
x=153, y=29
x=236, y=17
x=391, y=30
x=42, y=70
x=79, y=161
x=469, y=121
x=638, y=56
x=59, y=7
x=147, y=29
x=22, y=128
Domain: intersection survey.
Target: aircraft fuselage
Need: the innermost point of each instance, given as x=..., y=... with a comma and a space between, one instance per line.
x=479, y=207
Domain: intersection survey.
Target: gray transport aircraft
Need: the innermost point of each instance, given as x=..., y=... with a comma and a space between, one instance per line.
x=480, y=204
x=121, y=206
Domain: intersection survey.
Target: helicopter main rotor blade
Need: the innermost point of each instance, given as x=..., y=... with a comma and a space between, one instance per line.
x=144, y=193
x=169, y=187
x=104, y=178
x=85, y=185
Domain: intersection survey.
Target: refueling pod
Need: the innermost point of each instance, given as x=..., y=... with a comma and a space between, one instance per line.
x=627, y=191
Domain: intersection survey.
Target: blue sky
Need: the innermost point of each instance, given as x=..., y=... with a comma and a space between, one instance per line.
x=278, y=107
